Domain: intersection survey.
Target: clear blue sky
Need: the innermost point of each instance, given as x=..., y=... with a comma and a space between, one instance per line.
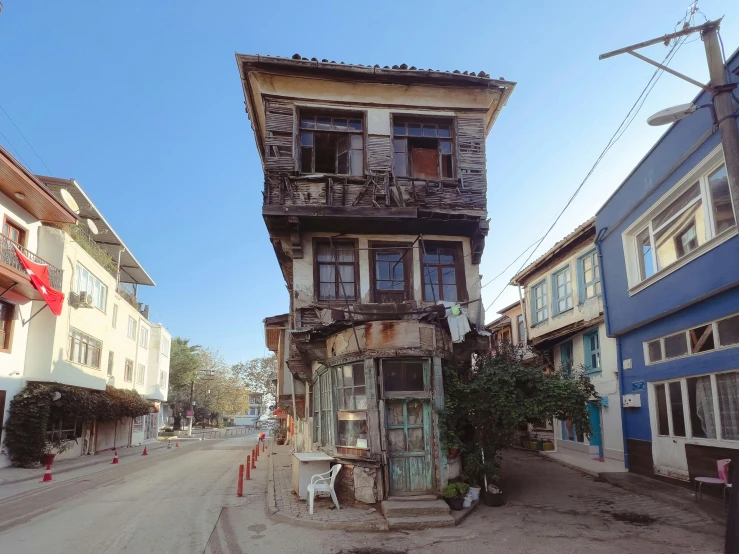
x=141, y=103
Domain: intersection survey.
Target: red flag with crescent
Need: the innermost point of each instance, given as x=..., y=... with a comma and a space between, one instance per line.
x=39, y=275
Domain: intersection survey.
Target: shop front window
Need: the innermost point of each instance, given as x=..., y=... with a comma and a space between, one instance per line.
x=351, y=403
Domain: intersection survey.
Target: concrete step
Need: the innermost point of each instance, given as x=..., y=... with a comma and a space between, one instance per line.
x=413, y=498
x=420, y=522
x=402, y=509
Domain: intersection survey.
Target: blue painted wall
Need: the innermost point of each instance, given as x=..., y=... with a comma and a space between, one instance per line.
x=636, y=420
x=709, y=274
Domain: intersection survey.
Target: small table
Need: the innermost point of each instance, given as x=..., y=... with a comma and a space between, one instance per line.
x=306, y=465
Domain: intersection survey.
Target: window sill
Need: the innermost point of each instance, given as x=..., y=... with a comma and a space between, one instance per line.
x=697, y=253
x=563, y=313
x=593, y=372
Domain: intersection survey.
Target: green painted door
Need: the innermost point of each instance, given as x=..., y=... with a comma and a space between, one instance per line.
x=409, y=445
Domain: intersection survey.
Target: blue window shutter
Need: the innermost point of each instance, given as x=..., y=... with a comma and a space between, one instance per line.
x=533, y=304
x=555, y=304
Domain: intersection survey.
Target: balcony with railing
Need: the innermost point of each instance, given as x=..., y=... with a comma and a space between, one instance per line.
x=13, y=275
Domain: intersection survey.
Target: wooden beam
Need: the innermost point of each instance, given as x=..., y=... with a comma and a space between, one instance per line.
x=340, y=211
x=666, y=38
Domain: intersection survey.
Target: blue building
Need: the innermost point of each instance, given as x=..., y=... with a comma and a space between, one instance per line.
x=669, y=251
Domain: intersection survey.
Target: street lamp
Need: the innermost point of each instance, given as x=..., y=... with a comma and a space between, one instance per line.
x=676, y=113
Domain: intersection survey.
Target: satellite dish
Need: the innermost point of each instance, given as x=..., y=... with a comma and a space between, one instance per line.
x=92, y=226
x=670, y=115
x=57, y=396
x=69, y=201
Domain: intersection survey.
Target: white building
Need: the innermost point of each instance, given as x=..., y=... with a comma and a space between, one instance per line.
x=103, y=335
x=564, y=320
x=25, y=202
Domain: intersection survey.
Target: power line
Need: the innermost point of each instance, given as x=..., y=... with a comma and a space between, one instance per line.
x=10, y=144
x=24, y=138
x=624, y=125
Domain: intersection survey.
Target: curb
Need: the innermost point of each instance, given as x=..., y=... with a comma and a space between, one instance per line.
x=274, y=513
x=460, y=515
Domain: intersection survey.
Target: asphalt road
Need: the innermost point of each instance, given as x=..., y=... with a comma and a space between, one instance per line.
x=170, y=501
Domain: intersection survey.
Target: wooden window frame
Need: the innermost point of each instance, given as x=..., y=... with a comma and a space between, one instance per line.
x=407, y=266
x=6, y=347
x=403, y=119
x=564, y=270
x=461, y=278
x=316, y=273
x=20, y=228
x=545, y=300
x=307, y=111
x=588, y=352
x=582, y=285
x=425, y=393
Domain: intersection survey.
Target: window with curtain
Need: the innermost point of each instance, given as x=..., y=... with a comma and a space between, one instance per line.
x=86, y=282
x=727, y=385
x=336, y=270
x=700, y=401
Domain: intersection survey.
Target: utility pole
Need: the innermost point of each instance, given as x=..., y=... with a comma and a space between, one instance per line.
x=724, y=110
x=192, y=409
x=724, y=115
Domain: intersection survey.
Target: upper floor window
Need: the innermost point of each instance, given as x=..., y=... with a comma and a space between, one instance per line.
x=84, y=349
x=565, y=357
x=115, y=315
x=562, y=290
x=163, y=379
x=539, y=307
x=331, y=144
x=7, y=311
x=86, y=282
x=14, y=232
x=336, y=270
x=140, y=371
x=111, y=360
x=144, y=337
x=392, y=272
x=165, y=346
x=588, y=276
x=131, y=328
x=442, y=273
x=128, y=371
x=423, y=149
x=591, y=347
x=698, y=210
x=521, y=330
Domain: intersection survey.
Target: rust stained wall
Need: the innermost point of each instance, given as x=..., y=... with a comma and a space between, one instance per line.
x=392, y=334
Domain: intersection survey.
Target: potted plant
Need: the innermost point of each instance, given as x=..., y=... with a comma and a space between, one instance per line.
x=454, y=494
x=281, y=435
x=52, y=447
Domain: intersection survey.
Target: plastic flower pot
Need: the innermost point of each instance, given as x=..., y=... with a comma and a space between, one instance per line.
x=548, y=446
x=47, y=459
x=452, y=452
x=475, y=493
x=456, y=503
x=492, y=499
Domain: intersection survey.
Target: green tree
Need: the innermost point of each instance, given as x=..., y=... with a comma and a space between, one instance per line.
x=259, y=375
x=218, y=389
x=184, y=366
x=486, y=403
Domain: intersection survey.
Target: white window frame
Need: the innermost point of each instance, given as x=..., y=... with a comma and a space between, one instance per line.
x=140, y=374
x=143, y=336
x=654, y=416
x=99, y=294
x=115, y=315
x=163, y=379
x=131, y=328
x=716, y=342
x=545, y=299
x=632, y=254
x=164, y=347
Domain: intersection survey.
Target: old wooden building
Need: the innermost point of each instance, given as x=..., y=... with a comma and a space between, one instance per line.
x=376, y=206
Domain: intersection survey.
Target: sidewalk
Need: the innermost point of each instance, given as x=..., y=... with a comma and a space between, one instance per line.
x=9, y=475
x=284, y=505
x=616, y=475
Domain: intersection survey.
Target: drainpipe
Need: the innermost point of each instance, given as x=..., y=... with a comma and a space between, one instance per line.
x=295, y=413
x=619, y=356
x=525, y=319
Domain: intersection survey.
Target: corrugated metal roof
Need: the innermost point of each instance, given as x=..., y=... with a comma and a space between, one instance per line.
x=107, y=239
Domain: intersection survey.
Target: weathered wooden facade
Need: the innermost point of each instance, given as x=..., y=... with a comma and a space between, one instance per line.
x=375, y=201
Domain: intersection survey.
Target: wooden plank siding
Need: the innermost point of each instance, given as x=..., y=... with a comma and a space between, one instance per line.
x=465, y=195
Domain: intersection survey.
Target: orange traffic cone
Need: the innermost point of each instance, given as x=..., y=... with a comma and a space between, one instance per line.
x=115, y=458
x=47, y=474
x=177, y=445
x=144, y=453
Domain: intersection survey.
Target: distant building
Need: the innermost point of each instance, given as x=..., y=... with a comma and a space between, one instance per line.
x=565, y=319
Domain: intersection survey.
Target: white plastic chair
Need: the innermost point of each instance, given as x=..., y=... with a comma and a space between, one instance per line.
x=323, y=483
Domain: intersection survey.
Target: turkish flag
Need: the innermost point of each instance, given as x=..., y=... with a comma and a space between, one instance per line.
x=39, y=275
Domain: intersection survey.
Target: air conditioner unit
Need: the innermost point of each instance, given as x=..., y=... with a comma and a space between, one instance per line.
x=74, y=299
x=85, y=299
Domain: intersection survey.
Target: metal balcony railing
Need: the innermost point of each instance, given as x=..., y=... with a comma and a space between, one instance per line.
x=8, y=257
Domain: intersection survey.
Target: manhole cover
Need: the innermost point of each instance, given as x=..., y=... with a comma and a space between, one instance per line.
x=635, y=519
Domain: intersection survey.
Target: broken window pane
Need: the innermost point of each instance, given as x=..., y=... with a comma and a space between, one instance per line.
x=396, y=438
x=307, y=122
x=323, y=123
x=355, y=124
x=395, y=413
x=701, y=339
x=663, y=427
x=678, y=413
x=676, y=345
x=424, y=158
x=728, y=331
x=415, y=413
x=339, y=124
x=415, y=440
x=402, y=375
